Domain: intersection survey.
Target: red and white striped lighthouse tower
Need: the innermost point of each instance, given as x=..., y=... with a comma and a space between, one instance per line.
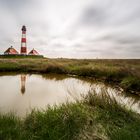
x=23, y=50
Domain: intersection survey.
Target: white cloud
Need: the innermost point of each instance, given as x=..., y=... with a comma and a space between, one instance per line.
x=73, y=28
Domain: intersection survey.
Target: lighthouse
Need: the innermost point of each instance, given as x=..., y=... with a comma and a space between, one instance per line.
x=23, y=80
x=23, y=50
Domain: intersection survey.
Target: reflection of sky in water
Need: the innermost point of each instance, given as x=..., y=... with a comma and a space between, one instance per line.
x=21, y=93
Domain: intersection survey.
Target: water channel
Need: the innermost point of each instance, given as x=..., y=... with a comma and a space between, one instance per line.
x=23, y=92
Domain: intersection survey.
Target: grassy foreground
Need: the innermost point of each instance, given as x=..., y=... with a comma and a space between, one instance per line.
x=94, y=118
x=126, y=73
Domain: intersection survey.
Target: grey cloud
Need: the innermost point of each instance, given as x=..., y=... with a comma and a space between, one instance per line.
x=120, y=39
x=111, y=13
x=16, y=3
x=94, y=16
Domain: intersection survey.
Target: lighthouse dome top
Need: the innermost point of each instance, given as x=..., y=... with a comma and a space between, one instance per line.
x=23, y=28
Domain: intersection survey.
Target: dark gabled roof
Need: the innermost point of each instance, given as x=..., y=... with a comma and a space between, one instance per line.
x=11, y=50
x=33, y=52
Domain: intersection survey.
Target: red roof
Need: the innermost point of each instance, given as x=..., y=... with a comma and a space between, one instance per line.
x=11, y=50
x=33, y=52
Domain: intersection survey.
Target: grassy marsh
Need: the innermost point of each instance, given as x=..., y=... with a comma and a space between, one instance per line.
x=97, y=117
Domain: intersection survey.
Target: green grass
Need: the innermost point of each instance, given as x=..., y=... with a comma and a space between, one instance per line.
x=10, y=127
x=125, y=73
x=97, y=117
x=20, y=56
x=130, y=83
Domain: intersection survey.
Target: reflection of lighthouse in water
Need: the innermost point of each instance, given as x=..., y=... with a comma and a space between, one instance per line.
x=23, y=80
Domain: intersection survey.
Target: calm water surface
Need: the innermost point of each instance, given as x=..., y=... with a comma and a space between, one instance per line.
x=22, y=93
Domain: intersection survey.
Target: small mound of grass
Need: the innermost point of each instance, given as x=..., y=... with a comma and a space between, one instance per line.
x=56, y=123
x=131, y=84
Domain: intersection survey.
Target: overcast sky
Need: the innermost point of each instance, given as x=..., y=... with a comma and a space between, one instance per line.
x=73, y=28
